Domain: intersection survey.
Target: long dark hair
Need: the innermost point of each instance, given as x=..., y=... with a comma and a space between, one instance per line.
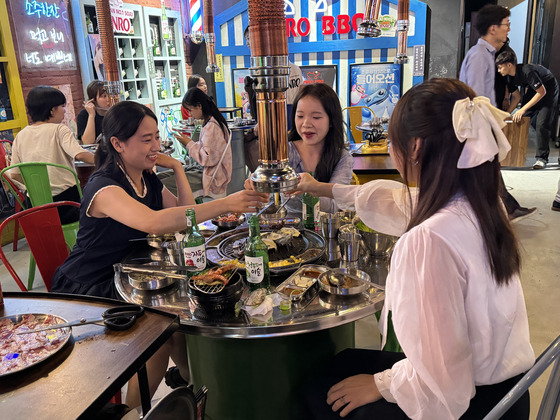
x=196, y=97
x=41, y=100
x=121, y=121
x=193, y=80
x=425, y=112
x=333, y=145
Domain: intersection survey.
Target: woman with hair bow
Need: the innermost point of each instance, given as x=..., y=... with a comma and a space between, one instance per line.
x=453, y=291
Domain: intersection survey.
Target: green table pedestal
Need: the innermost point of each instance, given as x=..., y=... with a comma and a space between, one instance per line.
x=260, y=378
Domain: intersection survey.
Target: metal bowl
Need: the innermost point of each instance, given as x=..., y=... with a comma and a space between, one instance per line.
x=360, y=281
x=147, y=281
x=378, y=244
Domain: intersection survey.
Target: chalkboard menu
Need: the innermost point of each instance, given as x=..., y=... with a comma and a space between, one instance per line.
x=43, y=33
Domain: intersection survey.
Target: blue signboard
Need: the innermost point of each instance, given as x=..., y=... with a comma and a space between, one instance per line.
x=377, y=86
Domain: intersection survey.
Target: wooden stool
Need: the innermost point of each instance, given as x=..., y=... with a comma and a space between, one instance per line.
x=517, y=135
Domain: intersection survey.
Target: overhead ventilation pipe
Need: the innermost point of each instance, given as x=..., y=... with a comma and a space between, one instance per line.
x=270, y=70
x=113, y=85
x=370, y=25
x=402, y=31
x=210, y=36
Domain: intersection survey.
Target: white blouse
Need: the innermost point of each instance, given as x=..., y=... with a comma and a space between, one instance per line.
x=457, y=327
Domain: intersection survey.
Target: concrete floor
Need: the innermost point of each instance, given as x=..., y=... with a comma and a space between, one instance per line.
x=540, y=274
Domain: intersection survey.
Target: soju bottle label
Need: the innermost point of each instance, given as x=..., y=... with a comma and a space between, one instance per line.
x=255, y=269
x=316, y=210
x=195, y=256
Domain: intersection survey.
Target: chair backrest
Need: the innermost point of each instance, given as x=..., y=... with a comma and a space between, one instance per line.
x=35, y=176
x=43, y=231
x=551, y=397
x=355, y=118
x=4, y=155
x=178, y=404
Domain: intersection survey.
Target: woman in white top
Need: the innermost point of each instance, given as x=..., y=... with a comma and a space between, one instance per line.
x=453, y=291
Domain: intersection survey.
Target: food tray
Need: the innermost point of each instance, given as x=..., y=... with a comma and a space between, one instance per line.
x=359, y=280
x=56, y=339
x=232, y=224
x=298, y=284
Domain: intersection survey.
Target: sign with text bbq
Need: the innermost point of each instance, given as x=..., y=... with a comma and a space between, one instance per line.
x=43, y=34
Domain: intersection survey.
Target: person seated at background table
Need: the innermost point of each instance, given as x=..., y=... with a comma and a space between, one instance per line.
x=316, y=143
x=90, y=119
x=197, y=81
x=124, y=200
x=212, y=151
x=47, y=140
x=453, y=290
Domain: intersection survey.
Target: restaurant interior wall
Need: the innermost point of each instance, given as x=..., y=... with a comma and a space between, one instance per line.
x=12, y=107
x=156, y=77
x=444, y=38
x=315, y=48
x=65, y=75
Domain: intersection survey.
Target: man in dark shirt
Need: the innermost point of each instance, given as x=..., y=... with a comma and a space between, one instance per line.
x=542, y=99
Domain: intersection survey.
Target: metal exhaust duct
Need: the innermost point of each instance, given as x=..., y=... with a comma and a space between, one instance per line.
x=113, y=85
x=369, y=26
x=402, y=31
x=210, y=36
x=270, y=70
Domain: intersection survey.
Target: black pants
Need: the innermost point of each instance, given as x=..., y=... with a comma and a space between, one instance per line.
x=68, y=214
x=509, y=200
x=359, y=361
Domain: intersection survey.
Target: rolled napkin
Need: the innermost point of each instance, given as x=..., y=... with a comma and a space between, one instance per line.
x=261, y=309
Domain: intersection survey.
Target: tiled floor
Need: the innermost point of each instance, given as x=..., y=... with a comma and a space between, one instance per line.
x=540, y=273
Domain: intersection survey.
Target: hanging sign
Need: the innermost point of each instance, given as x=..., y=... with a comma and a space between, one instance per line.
x=121, y=18
x=44, y=35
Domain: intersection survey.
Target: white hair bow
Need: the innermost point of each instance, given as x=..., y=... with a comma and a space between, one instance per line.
x=479, y=124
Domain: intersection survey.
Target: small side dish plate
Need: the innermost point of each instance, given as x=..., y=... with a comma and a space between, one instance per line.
x=20, y=352
x=229, y=220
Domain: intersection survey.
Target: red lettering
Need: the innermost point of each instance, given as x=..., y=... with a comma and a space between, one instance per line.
x=355, y=22
x=300, y=23
x=342, y=24
x=328, y=25
x=290, y=26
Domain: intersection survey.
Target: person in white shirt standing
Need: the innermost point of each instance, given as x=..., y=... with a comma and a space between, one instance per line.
x=453, y=291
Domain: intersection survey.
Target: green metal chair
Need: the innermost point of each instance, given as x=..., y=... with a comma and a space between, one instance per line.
x=35, y=176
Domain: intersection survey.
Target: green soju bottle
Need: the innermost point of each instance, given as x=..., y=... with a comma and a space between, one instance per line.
x=194, y=249
x=310, y=210
x=256, y=258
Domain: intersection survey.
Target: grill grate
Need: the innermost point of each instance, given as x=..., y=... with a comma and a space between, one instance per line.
x=207, y=288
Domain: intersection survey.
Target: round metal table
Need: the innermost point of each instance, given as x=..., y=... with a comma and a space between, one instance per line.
x=254, y=366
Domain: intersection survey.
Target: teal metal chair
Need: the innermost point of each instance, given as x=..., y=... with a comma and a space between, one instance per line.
x=35, y=177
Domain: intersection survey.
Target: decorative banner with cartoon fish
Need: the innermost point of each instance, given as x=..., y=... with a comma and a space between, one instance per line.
x=377, y=86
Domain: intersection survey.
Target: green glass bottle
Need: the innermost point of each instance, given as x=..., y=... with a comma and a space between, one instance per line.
x=194, y=248
x=310, y=210
x=256, y=258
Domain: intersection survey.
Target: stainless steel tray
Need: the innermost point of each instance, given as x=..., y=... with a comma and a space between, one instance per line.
x=298, y=284
x=56, y=340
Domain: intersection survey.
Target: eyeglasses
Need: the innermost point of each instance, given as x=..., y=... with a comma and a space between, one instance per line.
x=505, y=24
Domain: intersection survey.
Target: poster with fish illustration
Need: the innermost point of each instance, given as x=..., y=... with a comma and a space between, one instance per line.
x=377, y=86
